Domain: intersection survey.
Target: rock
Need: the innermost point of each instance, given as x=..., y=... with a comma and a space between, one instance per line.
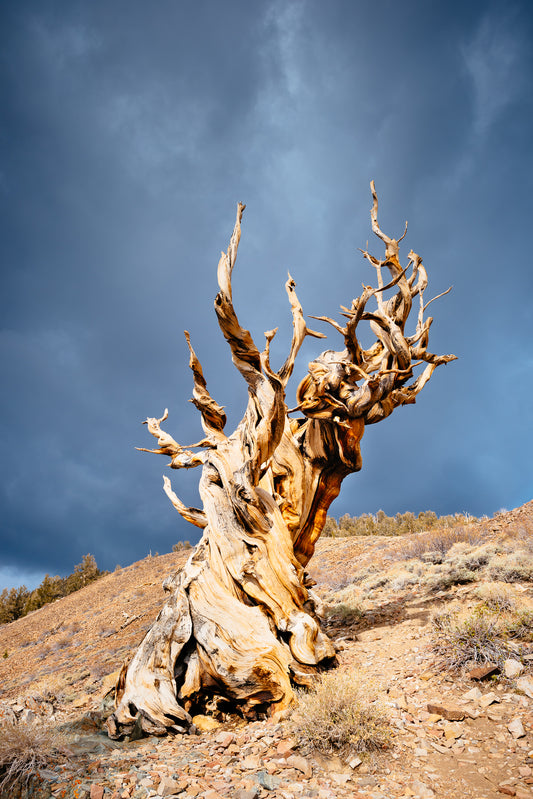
x=27, y=716
x=168, y=787
x=507, y=790
x=242, y=793
x=356, y=761
x=448, y=713
x=489, y=699
x=97, y=791
x=267, y=781
x=512, y=668
x=473, y=694
x=421, y=790
x=225, y=738
x=452, y=731
x=341, y=778
x=7, y=714
x=109, y=682
x=285, y=746
x=205, y=723
x=525, y=684
x=300, y=764
x=484, y=672
x=516, y=728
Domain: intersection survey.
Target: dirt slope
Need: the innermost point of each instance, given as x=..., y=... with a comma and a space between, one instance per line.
x=59, y=657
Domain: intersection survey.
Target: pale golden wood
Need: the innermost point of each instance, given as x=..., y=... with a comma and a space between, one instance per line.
x=242, y=622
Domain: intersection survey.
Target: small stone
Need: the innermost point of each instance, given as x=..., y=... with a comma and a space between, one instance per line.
x=473, y=694
x=516, y=728
x=285, y=746
x=251, y=762
x=168, y=787
x=421, y=790
x=419, y=752
x=507, y=790
x=452, y=731
x=512, y=668
x=356, y=761
x=243, y=793
x=525, y=684
x=267, y=781
x=489, y=699
x=225, y=738
x=109, y=682
x=448, y=713
x=300, y=764
x=340, y=778
x=525, y=771
x=483, y=672
x=97, y=791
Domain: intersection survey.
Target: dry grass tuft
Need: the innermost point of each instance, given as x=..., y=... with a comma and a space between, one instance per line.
x=26, y=748
x=340, y=716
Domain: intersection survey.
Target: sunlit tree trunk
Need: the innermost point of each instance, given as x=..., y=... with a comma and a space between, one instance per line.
x=241, y=625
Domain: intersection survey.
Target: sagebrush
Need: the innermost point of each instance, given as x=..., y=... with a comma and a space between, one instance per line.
x=341, y=716
x=26, y=748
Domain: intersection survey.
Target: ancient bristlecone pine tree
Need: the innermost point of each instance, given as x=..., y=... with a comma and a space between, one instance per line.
x=242, y=623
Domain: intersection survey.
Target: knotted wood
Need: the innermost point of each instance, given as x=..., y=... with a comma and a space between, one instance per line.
x=242, y=624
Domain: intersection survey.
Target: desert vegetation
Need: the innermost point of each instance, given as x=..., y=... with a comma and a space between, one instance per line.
x=24, y=749
x=340, y=715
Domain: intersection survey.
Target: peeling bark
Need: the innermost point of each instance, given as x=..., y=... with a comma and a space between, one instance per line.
x=242, y=623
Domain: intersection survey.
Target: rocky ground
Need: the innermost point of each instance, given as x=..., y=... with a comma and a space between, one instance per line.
x=454, y=733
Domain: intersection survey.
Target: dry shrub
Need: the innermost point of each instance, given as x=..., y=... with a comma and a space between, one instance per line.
x=341, y=716
x=438, y=542
x=482, y=634
x=25, y=748
x=465, y=637
x=346, y=604
x=449, y=576
x=513, y=567
x=497, y=596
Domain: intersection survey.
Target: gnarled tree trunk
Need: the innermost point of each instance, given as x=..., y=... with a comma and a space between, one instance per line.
x=242, y=623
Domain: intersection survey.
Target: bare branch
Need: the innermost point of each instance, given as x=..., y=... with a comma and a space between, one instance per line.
x=192, y=515
x=300, y=331
x=213, y=416
x=442, y=294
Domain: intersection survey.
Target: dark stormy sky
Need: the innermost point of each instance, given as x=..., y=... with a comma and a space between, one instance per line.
x=130, y=130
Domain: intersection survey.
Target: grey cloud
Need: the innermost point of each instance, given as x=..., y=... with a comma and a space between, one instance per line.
x=128, y=138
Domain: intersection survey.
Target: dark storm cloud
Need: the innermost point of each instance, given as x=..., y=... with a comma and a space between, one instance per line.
x=128, y=136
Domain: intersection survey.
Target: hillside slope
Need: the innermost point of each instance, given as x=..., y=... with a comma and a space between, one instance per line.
x=380, y=595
